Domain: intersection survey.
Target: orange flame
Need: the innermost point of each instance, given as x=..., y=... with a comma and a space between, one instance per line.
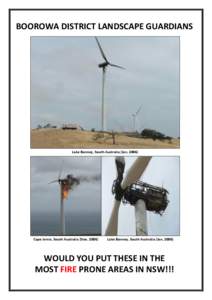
x=65, y=191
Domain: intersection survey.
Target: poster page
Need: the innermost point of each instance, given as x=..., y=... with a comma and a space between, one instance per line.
x=106, y=150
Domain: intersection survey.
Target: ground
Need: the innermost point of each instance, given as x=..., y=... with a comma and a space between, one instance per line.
x=59, y=138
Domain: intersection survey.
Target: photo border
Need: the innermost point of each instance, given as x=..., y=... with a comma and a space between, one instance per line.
x=179, y=203
x=201, y=10
x=107, y=147
x=61, y=157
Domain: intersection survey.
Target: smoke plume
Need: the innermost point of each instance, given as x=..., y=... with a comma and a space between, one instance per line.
x=91, y=178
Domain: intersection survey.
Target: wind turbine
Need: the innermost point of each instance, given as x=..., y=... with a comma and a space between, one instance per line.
x=134, y=118
x=104, y=66
x=133, y=175
x=66, y=184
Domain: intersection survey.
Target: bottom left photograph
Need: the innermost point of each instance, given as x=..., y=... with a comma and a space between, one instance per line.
x=65, y=196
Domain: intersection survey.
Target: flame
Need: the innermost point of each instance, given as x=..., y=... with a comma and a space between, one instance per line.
x=65, y=190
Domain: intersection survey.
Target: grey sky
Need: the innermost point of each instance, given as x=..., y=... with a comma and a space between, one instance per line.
x=160, y=171
x=45, y=198
x=66, y=82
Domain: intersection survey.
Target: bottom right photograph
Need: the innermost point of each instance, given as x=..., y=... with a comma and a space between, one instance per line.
x=141, y=196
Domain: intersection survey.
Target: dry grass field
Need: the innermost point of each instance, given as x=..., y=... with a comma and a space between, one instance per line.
x=59, y=138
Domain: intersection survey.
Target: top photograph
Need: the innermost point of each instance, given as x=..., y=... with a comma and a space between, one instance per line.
x=100, y=92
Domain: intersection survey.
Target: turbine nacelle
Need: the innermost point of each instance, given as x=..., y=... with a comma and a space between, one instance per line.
x=70, y=180
x=103, y=65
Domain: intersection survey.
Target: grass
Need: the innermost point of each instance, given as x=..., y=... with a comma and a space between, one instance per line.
x=59, y=138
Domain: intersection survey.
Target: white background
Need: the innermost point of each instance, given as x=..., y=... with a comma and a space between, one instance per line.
x=4, y=115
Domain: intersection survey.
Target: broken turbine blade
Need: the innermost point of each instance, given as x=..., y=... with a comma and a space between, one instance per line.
x=120, y=166
x=120, y=159
x=100, y=48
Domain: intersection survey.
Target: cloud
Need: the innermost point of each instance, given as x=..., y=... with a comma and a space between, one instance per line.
x=66, y=81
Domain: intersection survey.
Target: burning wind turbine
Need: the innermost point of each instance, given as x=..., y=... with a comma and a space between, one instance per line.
x=66, y=185
x=142, y=196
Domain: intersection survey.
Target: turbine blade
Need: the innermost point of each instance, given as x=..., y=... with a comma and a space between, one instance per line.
x=136, y=171
x=138, y=110
x=61, y=170
x=116, y=66
x=56, y=180
x=100, y=48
